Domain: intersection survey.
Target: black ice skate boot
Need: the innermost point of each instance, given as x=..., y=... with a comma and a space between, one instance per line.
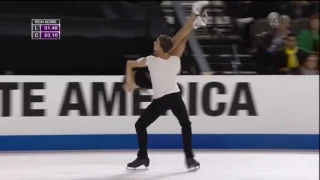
x=191, y=163
x=138, y=162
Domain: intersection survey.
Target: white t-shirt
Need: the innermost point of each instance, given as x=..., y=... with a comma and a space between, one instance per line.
x=163, y=73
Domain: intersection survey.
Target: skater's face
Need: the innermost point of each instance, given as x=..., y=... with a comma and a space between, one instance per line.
x=156, y=45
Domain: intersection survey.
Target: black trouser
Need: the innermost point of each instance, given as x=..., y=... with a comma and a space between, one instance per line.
x=175, y=103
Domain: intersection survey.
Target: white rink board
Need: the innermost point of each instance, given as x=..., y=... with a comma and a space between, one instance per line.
x=284, y=105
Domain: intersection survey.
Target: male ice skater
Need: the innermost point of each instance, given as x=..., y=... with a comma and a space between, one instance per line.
x=164, y=67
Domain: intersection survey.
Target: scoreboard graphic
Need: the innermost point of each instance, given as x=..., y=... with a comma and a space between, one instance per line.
x=45, y=29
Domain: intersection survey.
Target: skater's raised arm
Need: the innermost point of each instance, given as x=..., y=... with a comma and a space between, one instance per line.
x=182, y=35
x=200, y=21
x=178, y=51
x=183, y=32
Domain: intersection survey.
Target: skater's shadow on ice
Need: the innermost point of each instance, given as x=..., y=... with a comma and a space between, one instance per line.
x=165, y=176
x=130, y=175
x=127, y=175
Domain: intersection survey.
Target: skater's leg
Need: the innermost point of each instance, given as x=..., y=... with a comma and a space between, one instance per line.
x=151, y=113
x=179, y=109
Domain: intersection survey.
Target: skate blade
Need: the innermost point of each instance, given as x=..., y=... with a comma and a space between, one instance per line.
x=193, y=168
x=136, y=168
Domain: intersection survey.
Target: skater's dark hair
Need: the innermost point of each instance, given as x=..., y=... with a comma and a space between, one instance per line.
x=166, y=43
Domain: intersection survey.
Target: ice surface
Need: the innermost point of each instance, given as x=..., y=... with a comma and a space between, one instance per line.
x=168, y=165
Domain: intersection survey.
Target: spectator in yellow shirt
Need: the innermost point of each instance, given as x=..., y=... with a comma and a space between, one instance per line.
x=289, y=58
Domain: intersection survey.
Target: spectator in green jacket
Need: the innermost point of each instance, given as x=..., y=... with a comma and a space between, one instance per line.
x=308, y=40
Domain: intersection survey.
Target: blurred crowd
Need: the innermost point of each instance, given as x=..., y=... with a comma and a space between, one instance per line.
x=284, y=50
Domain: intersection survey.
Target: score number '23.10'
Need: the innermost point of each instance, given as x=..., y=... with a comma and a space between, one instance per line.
x=49, y=35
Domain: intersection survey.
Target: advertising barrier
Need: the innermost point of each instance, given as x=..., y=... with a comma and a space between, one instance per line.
x=94, y=112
